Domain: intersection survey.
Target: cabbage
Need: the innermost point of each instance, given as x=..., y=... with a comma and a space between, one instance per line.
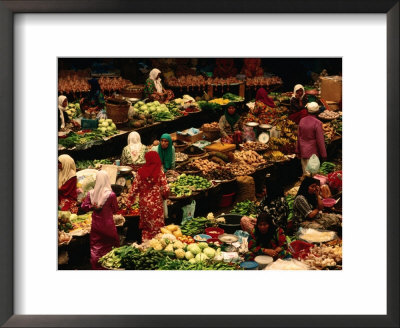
x=169, y=248
x=178, y=244
x=180, y=253
x=189, y=255
x=194, y=249
x=192, y=261
x=156, y=103
x=201, y=257
x=73, y=217
x=110, y=128
x=210, y=252
x=203, y=245
x=144, y=107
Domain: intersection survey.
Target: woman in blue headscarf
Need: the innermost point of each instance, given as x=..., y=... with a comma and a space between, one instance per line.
x=166, y=151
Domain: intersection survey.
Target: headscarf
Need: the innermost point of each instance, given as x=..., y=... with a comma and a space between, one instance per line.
x=166, y=154
x=264, y=240
x=134, y=144
x=297, y=87
x=152, y=167
x=68, y=169
x=232, y=119
x=262, y=95
x=312, y=108
x=303, y=190
x=61, y=109
x=102, y=189
x=157, y=81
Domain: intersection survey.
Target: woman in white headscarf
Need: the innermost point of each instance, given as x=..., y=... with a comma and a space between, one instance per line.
x=63, y=118
x=133, y=153
x=154, y=90
x=67, y=180
x=298, y=104
x=103, y=202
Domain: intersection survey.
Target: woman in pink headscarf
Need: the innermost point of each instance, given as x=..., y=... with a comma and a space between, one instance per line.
x=103, y=202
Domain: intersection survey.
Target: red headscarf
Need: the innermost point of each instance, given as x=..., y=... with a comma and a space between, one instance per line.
x=152, y=168
x=262, y=95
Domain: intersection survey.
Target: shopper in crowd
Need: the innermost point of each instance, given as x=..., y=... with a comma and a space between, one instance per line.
x=67, y=181
x=94, y=101
x=298, y=104
x=154, y=89
x=266, y=238
x=262, y=95
x=133, y=153
x=310, y=138
x=229, y=125
x=224, y=67
x=152, y=187
x=166, y=151
x=63, y=118
x=308, y=205
x=103, y=202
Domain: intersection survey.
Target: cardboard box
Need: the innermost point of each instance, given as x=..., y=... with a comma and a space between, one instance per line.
x=219, y=147
x=190, y=139
x=331, y=88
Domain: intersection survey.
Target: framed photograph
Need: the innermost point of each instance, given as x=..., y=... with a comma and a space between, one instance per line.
x=33, y=38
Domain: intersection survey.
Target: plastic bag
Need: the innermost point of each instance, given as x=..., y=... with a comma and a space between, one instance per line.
x=188, y=212
x=241, y=235
x=102, y=115
x=313, y=164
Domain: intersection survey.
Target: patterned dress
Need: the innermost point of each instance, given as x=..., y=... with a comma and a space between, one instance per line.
x=151, y=92
x=151, y=197
x=67, y=196
x=126, y=158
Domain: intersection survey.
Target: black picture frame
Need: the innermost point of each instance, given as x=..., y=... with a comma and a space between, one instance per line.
x=7, y=11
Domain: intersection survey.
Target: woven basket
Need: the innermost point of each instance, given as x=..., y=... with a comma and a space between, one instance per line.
x=211, y=135
x=118, y=113
x=133, y=91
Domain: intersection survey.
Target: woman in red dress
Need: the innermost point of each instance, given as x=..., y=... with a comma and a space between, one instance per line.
x=103, y=202
x=67, y=180
x=152, y=186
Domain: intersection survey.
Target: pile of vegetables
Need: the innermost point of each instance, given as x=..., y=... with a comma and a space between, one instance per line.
x=84, y=140
x=107, y=127
x=220, y=101
x=255, y=146
x=169, y=264
x=204, y=165
x=192, y=181
x=274, y=155
x=250, y=157
x=209, y=106
x=326, y=168
x=73, y=110
x=241, y=168
x=132, y=258
x=232, y=97
x=194, y=226
x=321, y=257
x=245, y=208
x=222, y=174
x=81, y=222
x=64, y=223
x=159, y=112
x=285, y=145
x=88, y=164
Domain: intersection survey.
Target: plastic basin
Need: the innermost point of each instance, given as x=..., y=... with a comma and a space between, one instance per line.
x=328, y=202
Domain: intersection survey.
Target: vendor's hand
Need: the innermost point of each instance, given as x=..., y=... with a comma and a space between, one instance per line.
x=156, y=142
x=270, y=252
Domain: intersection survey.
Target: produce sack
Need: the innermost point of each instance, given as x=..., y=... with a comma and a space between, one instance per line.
x=188, y=212
x=246, y=189
x=313, y=164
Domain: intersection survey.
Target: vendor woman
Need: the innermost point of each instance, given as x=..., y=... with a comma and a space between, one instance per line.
x=67, y=181
x=308, y=205
x=266, y=238
x=63, y=118
x=133, y=153
x=166, y=150
x=94, y=100
x=154, y=90
x=229, y=125
x=298, y=104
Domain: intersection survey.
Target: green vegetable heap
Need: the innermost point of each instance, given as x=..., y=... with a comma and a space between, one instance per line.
x=326, y=168
x=246, y=208
x=232, y=97
x=81, y=165
x=194, y=226
x=170, y=264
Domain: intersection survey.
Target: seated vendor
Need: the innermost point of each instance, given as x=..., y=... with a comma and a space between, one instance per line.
x=63, y=118
x=166, y=150
x=308, y=205
x=67, y=181
x=133, y=153
x=229, y=125
x=264, y=110
x=298, y=104
x=94, y=101
x=266, y=239
x=154, y=90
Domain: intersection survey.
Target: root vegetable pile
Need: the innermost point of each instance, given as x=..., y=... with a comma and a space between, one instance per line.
x=250, y=157
x=241, y=168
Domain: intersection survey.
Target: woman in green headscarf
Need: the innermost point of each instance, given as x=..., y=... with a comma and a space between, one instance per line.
x=229, y=124
x=166, y=151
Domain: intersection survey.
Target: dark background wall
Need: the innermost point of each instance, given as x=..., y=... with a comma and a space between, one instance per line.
x=291, y=70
